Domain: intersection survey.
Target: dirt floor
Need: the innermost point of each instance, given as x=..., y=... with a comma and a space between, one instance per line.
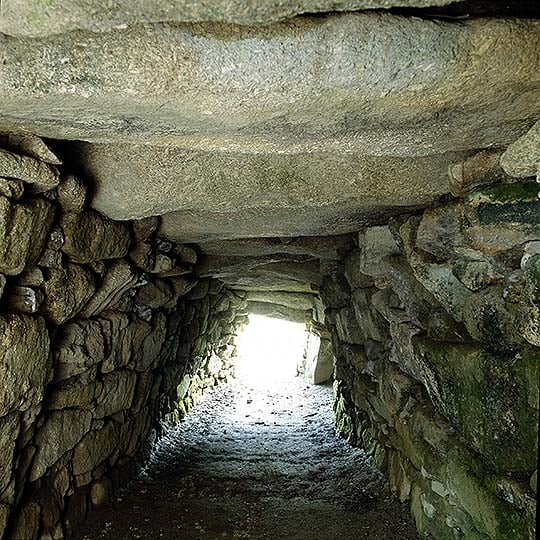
x=257, y=464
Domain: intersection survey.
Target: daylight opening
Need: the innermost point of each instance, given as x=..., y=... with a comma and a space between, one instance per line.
x=269, y=350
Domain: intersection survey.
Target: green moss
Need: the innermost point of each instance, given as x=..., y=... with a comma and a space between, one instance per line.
x=505, y=193
x=486, y=399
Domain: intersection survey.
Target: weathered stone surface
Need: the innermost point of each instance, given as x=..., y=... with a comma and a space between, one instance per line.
x=9, y=430
x=72, y=194
x=296, y=301
x=118, y=279
x=504, y=216
x=29, y=145
x=482, y=168
x=24, y=299
x=26, y=523
x=25, y=366
x=12, y=189
x=37, y=19
x=117, y=393
x=67, y=290
x=376, y=243
x=471, y=388
x=28, y=170
x=90, y=236
x=23, y=231
x=522, y=157
x=59, y=434
x=78, y=347
x=94, y=448
x=278, y=312
x=353, y=273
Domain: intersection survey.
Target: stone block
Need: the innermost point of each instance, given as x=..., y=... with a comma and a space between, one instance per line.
x=376, y=243
x=67, y=290
x=116, y=394
x=25, y=362
x=472, y=387
x=23, y=231
x=28, y=170
x=59, y=434
x=72, y=194
x=90, y=236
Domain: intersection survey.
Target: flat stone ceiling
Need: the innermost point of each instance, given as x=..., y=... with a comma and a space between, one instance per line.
x=308, y=127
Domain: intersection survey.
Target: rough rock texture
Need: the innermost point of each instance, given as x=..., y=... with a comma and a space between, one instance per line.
x=317, y=115
x=34, y=18
x=437, y=368
x=92, y=361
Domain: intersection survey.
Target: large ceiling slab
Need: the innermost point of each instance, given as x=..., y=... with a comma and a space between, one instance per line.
x=38, y=17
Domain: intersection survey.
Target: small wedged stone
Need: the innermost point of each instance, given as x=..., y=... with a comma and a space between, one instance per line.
x=480, y=169
x=28, y=170
x=143, y=229
x=90, y=236
x=376, y=243
x=185, y=253
x=24, y=299
x=118, y=279
x=522, y=157
x=23, y=232
x=179, y=269
x=67, y=290
x=71, y=194
x=59, y=434
x=25, y=363
x=11, y=189
x=31, y=277
x=51, y=259
x=29, y=145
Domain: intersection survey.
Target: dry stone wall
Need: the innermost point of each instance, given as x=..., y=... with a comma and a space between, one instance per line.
x=435, y=323
x=104, y=332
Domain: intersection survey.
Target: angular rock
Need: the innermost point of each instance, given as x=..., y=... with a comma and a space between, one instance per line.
x=118, y=279
x=352, y=271
x=117, y=393
x=475, y=274
x=29, y=145
x=278, y=312
x=67, y=291
x=9, y=431
x=376, y=243
x=154, y=294
x=94, y=448
x=27, y=522
x=143, y=229
x=25, y=363
x=24, y=299
x=480, y=169
x=90, y=236
x=23, y=231
x=58, y=435
x=72, y=194
x=28, y=170
x=11, y=189
x=31, y=277
x=522, y=157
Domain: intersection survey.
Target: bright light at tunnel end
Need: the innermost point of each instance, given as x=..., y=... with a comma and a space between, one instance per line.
x=269, y=350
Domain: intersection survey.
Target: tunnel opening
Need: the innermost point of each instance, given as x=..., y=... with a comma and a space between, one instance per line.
x=372, y=175
x=269, y=350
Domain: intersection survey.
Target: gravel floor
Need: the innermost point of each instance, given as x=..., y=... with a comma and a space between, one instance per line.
x=254, y=463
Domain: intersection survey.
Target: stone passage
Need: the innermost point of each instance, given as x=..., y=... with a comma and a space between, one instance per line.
x=368, y=168
x=256, y=463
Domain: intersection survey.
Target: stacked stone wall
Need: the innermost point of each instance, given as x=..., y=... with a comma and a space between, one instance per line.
x=435, y=323
x=104, y=333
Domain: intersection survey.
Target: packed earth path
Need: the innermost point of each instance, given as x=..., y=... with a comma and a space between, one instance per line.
x=256, y=463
